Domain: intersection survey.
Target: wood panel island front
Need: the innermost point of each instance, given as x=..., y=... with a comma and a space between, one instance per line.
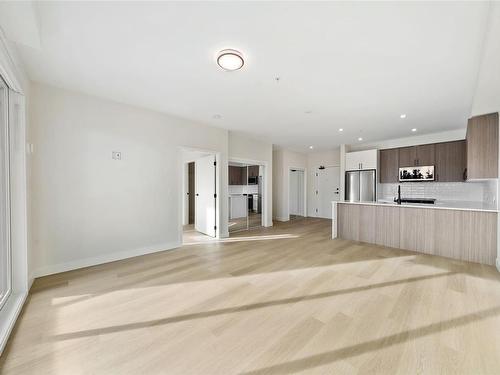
x=468, y=234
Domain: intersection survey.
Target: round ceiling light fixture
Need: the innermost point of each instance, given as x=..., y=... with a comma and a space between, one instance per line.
x=230, y=60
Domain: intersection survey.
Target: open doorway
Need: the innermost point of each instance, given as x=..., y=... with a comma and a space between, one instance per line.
x=296, y=196
x=246, y=196
x=200, y=195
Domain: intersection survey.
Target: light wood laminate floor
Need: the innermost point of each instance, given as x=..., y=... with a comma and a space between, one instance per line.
x=274, y=301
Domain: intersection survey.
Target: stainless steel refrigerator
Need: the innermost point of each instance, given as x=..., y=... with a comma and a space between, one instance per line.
x=360, y=186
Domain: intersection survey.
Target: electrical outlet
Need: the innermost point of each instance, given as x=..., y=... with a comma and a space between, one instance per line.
x=116, y=155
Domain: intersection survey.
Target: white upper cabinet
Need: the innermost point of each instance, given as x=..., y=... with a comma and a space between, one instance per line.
x=361, y=160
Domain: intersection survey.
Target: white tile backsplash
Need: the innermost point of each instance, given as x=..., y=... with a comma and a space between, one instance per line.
x=477, y=191
x=243, y=189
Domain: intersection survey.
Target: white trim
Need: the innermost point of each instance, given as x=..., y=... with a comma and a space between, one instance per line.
x=12, y=310
x=498, y=264
x=8, y=67
x=281, y=218
x=94, y=261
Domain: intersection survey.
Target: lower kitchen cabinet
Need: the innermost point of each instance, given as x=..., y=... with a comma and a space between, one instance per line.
x=459, y=234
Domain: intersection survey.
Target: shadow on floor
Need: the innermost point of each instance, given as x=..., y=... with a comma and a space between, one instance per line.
x=236, y=309
x=373, y=345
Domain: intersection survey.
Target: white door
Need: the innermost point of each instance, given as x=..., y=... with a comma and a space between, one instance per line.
x=327, y=190
x=205, y=201
x=296, y=193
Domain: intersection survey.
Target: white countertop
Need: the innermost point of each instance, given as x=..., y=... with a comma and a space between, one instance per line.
x=440, y=205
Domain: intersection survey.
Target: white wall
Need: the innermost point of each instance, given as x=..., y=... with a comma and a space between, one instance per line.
x=330, y=158
x=487, y=95
x=242, y=147
x=283, y=161
x=88, y=208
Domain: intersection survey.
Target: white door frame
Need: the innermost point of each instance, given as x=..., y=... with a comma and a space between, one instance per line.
x=219, y=232
x=266, y=222
x=304, y=170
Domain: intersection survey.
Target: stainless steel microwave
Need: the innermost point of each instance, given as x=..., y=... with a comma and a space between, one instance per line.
x=420, y=173
x=253, y=180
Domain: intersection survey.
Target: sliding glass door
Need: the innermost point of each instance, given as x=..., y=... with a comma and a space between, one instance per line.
x=245, y=197
x=5, y=244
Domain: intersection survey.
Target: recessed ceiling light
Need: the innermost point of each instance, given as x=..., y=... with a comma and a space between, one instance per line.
x=311, y=147
x=403, y=115
x=360, y=139
x=341, y=130
x=230, y=59
x=414, y=129
x=217, y=117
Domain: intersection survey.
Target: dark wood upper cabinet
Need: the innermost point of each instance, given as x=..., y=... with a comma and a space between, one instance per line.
x=426, y=154
x=237, y=175
x=244, y=176
x=253, y=171
x=407, y=156
x=450, y=161
x=482, y=146
x=417, y=155
x=389, y=165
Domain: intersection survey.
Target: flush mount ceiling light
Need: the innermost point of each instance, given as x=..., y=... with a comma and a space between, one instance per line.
x=414, y=129
x=230, y=59
x=360, y=139
x=311, y=147
x=402, y=115
x=341, y=130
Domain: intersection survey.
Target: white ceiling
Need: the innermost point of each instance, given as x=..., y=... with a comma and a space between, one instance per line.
x=356, y=66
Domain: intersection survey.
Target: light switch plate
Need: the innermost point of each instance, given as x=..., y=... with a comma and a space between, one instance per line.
x=116, y=155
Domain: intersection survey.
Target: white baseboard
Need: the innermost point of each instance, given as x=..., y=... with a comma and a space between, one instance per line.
x=498, y=264
x=9, y=314
x=94, y=261
x=281, y=219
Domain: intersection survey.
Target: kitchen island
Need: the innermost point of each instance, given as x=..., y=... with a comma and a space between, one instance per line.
x=464, y=231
